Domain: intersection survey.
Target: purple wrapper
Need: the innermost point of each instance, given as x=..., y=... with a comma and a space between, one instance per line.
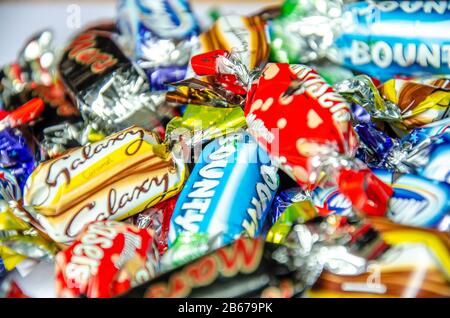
x=16, y=158
x=160, y=78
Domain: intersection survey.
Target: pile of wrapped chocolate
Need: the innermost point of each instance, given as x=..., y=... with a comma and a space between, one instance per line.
x=302, y=151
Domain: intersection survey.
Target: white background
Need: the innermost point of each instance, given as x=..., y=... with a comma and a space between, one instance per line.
x=20, y=19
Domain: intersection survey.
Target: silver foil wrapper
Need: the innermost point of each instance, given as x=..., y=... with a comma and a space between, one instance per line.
x=311, y=31
x=123, y=99
x=111, y=92
x=361, y=90
x=313, y=247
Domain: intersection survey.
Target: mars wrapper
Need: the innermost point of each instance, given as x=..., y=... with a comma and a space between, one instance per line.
x=111, y=179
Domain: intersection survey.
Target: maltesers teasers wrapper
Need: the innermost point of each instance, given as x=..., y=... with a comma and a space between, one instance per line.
x=107, y=259
x=306, y=126
x=111, y=179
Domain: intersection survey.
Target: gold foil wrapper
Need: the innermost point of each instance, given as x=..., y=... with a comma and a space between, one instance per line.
x=420, y=102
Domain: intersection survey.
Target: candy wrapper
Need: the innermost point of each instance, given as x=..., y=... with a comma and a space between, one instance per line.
x=200, y=124
x=157, y=219
x=423, y=151
x=17, y=160
x=60, y=138
x=34, y=76
x=111, y=93
x=107, y=259
x=152, y=26
x=20, y=238
x=416, y=265
x=320, y=153
x=112, y=179
x=290, y=206
x=416, y=201
x=403, y=104
x=161, y=35
x=247, y=39
x=419, y=103
x=379, y=38
x=34, y=65
x=246, y=36
x=252, y=268
x=228, y=194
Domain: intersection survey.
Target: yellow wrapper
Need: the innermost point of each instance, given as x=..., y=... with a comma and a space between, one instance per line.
x=19, y=240
x=420, y=103
x=112, y=179
x=203, y=123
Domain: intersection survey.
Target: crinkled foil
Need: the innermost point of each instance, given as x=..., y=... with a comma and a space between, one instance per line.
x=20, y=240
x=306, y=30
x=361, y=90
x=62, y=137
x=406, y=157
x=121, y=100
x=328, y=244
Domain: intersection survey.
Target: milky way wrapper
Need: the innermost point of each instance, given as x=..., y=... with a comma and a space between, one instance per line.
x=416, y=200
x=160, y=32
x=245, y=36
x=111, y=179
